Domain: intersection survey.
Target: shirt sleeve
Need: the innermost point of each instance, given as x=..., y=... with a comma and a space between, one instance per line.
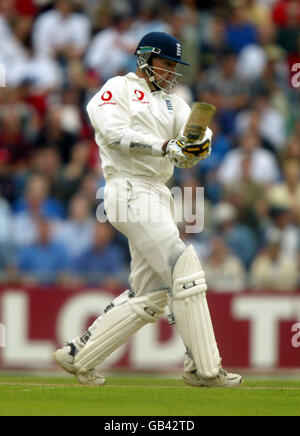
x=110, y=117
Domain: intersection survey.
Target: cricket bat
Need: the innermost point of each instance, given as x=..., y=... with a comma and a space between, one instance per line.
x=200, y=118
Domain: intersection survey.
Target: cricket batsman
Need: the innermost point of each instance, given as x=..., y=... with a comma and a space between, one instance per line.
x=139, y=125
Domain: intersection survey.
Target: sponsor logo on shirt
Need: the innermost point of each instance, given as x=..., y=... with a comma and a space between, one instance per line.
x=140, y=97
x=106, y=97
x=140, y=94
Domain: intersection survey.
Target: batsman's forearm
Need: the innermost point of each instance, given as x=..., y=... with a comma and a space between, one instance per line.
x=138, y=148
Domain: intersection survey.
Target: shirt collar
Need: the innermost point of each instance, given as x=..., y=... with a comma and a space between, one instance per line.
x=144, y=83
x=141, y=80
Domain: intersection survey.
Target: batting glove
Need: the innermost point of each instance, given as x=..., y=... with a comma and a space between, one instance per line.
x=200, y=150
x=174, y=150
x=183, y=154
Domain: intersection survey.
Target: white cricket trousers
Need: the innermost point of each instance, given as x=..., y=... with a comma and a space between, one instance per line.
x=143, y=210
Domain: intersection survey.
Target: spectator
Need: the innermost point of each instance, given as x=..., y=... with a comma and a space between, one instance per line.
x=271, y=125
x=7, y=189
x=7, y=262
x=42, y=72
x=149, y=19
x=26, y=12
x=46, y=162
x=5, y=31
x=222, y=87
x=222, y=145
x=275, y=82
x=12, y=53
x=284, y=222
x=291, y=151
x=224, y=271
x=89, y=187
x=288, y=34
x=28, y=210
x=37, y=200
x=110, y=52
x=296, y=134
x=70, y=111
x=185, y=27
x=76, y=233
x=240, y=31
x=44, y=261
x=18, y=125
x=286, y=194
x=239, y=238
x=5, y=220
x=75, y=171
x=284, y=10
x=260, y=165
x=213, y=46
x=258, y=12
x=253, y=58
x=7, y=248
x=272, y=270
x=56, y=132
x=103, y=262
x=247, y=197
x=61, y=31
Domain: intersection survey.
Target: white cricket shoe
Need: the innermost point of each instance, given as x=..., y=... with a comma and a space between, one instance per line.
x=222, y=380
x=65, y=358
x=91, y=378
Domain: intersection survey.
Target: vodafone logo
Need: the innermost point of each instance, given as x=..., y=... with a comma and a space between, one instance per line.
x=140, y=95
x=106, y=96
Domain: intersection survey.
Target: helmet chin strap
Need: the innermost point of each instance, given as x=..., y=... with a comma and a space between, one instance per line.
x=152, y=79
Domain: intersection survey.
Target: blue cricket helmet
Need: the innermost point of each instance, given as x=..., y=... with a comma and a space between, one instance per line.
x=161, y=44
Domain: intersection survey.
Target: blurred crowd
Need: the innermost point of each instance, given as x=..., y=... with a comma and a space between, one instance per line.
x=242, y=56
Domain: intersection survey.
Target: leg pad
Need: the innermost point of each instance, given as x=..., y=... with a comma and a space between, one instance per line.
x=192, y=315
x=116, y=326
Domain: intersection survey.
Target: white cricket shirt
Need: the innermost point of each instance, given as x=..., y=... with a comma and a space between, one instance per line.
x=126, y=111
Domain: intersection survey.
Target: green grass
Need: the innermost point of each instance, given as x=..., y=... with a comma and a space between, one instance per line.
x=145, y=396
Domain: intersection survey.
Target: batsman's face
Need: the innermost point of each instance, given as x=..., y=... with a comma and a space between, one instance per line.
x=164, y=71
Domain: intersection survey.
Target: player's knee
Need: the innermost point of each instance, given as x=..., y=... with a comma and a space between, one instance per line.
x=150, y=307
x=188, y=274
x=177, y=250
